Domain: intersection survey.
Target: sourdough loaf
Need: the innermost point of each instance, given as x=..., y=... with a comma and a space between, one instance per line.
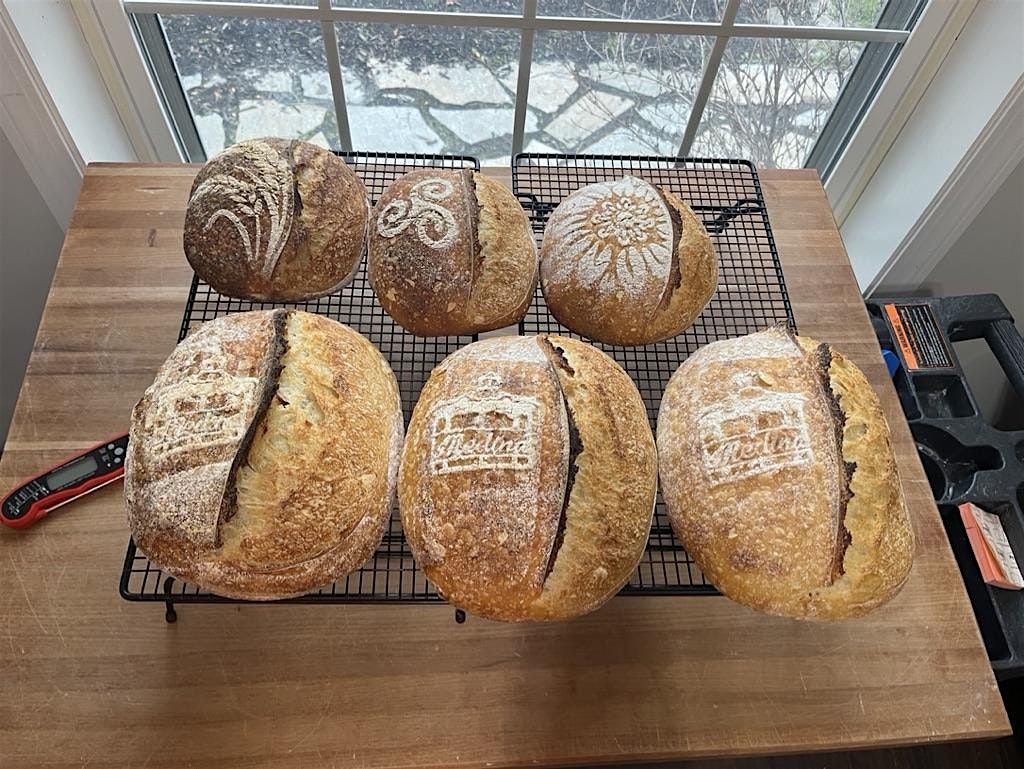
x=276, y=220
x=262, y=461
x=528, y=478
x=451, y=252
x=779, y=478
x=626, y=263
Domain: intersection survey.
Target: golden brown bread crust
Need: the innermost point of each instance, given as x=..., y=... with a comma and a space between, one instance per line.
x=489, y=461
x=451, y=252
x=779, y=478
x=483, y=473
x=625, y=262
x=276, y=220
x=185, y=433
x=507, y=257
x=611, y=504
x=311, y=495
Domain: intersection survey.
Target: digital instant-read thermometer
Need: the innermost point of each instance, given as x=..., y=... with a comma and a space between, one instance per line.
x=70, y=479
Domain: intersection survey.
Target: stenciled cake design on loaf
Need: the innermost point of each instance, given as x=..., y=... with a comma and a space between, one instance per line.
x=261, y=184
x=755, y=431
x=618, y=231
x=433, y=224
x=485, y=430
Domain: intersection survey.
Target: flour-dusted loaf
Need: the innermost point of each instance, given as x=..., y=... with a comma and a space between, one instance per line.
x=778, y=474
x=276, y=220
x=528, y=478
x=451, y=252
x=625, y=262
x=262, y=461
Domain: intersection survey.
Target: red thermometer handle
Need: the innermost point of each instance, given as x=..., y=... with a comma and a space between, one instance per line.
x=69, y=479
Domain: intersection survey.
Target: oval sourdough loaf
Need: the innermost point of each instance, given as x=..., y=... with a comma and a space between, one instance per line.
x=276, y=220
x=778, y=474
x=625, y=262
x=528, y=478
x=451, y=252
x=262, y=461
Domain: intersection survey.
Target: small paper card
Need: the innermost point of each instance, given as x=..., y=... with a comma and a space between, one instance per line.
x=991, y=547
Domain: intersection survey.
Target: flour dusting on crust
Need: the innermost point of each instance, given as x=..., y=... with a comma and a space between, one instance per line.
x=434, y=225
x=485, y=429
x=248, y=194
x=615, y=235
x=753, y=431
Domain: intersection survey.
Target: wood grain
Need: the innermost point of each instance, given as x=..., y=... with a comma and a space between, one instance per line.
x=89, y=678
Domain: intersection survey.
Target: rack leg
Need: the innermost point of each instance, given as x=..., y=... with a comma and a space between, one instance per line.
x=460, y=616
x=170, y=615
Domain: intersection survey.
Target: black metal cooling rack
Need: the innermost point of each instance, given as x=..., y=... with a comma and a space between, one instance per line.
x=751, y=295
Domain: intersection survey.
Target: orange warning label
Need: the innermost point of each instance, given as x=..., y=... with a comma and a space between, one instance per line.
x=918, y=336
x=901, y=336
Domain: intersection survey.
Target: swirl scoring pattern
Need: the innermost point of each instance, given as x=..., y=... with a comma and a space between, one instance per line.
x=433, y=224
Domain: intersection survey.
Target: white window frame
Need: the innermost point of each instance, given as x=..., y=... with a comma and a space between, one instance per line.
x=110, y=33
x=114, y=24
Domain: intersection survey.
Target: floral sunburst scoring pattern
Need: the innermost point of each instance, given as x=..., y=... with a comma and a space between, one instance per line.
x=262, y=184
x=617, y=232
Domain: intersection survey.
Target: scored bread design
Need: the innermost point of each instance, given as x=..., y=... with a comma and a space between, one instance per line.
x=528, y=478
x=451, y=252
x=625, y=262
x=779, y=478
x=262, y=461
x=276, y=220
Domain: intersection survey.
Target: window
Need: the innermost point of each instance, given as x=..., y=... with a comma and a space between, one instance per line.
x=781, y=82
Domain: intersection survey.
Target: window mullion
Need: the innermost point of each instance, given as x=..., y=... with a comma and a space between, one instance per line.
x=333, y=55
x=523, y=80
x=161, y=63
x=708, y=80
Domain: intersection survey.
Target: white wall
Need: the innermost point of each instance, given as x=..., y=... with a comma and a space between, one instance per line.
x=53, y=38
x=959, y=143
x=30, y=241
x=988, y=258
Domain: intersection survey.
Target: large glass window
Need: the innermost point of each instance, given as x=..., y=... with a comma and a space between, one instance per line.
x=780, y=82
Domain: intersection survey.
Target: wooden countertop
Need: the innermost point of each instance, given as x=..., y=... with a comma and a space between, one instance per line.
x=89, y=678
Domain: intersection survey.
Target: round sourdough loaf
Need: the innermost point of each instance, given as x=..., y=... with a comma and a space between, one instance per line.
x=451, y=252
x=778, y=474
x=528, y=478
x=625, y=262
x=262, y=460
x=276, y=220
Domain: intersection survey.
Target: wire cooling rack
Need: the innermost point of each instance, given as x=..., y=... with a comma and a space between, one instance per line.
x=752, y=295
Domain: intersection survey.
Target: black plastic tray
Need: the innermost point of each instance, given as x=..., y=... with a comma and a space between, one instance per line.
x=965, y=458
x=751, y=296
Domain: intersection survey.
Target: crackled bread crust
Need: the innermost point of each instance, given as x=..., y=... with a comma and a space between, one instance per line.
x=625, y=262
x=450, y=253
x=262, y=461
x=779, y=478
x=276, y=220
x=528, y=478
